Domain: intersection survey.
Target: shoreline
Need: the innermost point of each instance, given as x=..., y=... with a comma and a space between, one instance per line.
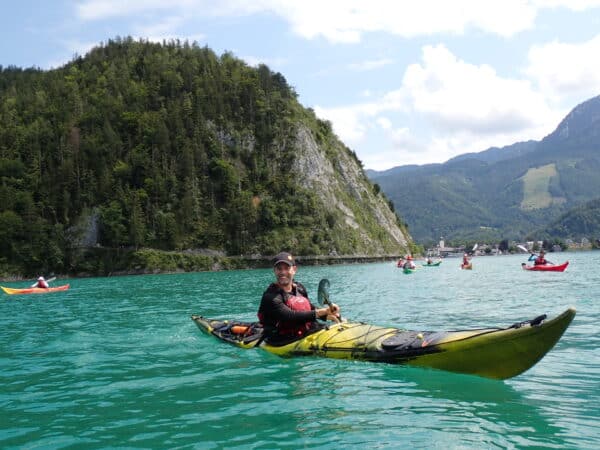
x=214, y=263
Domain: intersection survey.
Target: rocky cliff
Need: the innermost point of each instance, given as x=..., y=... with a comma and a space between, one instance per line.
x=360, y=216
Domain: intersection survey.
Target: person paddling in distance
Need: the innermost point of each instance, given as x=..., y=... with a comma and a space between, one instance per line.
x=409, y=264
x=285, y=311
x=41, y=283
x=541, y=259
x=466, y=260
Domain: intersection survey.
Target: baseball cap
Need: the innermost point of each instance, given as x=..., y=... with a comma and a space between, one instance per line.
x=285, y=258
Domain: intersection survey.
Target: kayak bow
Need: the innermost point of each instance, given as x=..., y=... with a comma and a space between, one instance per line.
x=498, y=353
x=13, y=291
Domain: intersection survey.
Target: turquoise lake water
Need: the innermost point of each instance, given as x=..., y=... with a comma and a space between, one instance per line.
x=117, y=362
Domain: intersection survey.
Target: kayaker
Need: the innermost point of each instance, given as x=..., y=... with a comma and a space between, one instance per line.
x=429, y=261
x=41, y=283
x=466, y=261
x=285, y=310
x=540, y=260
x=409, y=264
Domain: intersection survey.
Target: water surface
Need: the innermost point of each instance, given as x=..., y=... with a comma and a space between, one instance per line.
x=117, y=362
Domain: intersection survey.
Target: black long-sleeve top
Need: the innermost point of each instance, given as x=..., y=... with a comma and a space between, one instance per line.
x=273, y=309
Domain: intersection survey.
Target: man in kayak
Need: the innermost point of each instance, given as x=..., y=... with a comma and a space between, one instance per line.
x=409, y=264
x=540, y=260
x=466, y=260
x=285, y=311
x=41, y=283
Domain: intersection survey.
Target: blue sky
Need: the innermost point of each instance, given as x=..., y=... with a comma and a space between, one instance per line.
x=403, y=82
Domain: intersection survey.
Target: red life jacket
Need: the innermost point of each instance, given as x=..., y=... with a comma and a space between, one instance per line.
x=296, y=303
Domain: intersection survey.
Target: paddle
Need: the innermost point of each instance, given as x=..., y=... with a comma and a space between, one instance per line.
x=49, y=280
x=323, y=295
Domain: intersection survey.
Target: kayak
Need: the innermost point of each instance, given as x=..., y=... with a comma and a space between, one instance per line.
x=408, y=270
x=497, y=353
x=546, y=267
x=11, y=291
x=435, y=264
x=467, y=266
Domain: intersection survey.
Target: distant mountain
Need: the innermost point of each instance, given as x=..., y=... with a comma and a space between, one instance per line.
x=503, y=192
x=495, y=154
x=580, y=222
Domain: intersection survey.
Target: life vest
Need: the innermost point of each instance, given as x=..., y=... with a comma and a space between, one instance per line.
x=296, y=303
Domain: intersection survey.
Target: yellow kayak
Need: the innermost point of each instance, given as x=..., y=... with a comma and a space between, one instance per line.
x=12, y=291
x=488, y=352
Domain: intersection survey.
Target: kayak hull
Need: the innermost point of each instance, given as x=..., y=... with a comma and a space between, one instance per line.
x=547, y=267
x=497, y=353
x=408, y=271
x=436, y=264
x=12, y=291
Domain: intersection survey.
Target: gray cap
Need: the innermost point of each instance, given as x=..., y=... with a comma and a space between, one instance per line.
x=284, y=257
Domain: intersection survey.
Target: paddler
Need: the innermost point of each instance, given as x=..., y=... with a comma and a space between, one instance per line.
x=285, y=310
x=41, y=283
x=540, y=260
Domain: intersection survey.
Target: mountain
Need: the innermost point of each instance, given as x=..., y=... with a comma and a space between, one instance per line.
x=141, y=146
x=502, y=192
x=581, y=222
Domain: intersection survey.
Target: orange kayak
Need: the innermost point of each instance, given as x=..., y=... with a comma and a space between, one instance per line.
x=11, y=291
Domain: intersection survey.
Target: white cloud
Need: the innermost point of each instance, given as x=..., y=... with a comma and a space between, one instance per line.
x=364, y=66
x=384, y=123
x=456, y=95
x=575, y=5
x=106, y=9
x=166, y=26
x=347, y=20
x=347, y=121
x=460, y=107
x=272, y=63
x=563, y=69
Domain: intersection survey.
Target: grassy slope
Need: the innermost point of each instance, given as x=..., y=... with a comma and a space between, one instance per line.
x=536, y=183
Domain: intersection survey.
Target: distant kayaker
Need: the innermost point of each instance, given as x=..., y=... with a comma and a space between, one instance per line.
x=41, y=283
x=409, y=264
x=466, y=260
x=540, y=260
x=285, y=310
x=429, y=261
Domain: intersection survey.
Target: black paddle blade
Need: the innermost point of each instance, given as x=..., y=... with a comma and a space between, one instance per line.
x=323, y=292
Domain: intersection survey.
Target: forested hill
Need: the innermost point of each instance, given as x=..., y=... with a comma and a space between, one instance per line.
x=140, y=145
x=581, y=222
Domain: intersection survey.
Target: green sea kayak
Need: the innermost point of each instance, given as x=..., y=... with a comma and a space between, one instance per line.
x=435, y=264
x=488, y=352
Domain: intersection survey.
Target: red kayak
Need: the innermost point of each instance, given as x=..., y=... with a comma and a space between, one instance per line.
x=547, y=267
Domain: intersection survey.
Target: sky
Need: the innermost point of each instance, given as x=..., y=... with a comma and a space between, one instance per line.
x=402, y=82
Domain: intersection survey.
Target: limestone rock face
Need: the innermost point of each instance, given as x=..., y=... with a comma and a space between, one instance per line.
x=337, y=177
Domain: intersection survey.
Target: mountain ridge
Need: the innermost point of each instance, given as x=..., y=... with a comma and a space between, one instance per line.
x=514, y=193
